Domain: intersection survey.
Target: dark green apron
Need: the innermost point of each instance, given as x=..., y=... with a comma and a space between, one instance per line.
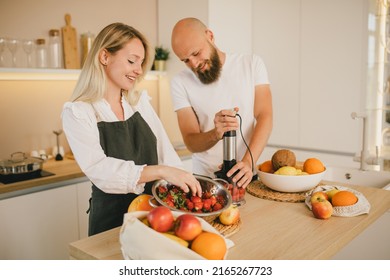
x=128, y=140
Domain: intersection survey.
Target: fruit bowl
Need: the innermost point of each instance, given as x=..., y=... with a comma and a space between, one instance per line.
x=290, y=183
x=208, y=186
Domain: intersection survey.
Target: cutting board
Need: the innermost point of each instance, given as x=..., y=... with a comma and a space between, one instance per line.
x=69, y=41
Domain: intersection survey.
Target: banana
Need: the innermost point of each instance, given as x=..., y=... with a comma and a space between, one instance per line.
x=176, y=239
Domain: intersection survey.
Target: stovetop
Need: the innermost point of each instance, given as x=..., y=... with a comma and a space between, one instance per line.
x=14, y=178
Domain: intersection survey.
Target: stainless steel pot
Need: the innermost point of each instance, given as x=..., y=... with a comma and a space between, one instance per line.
x=19, y=163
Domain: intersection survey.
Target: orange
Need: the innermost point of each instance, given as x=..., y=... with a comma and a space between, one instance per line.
x=140, y=203
x=266, y=166
x=313, y=165
x=210, y=245
x=344, y=198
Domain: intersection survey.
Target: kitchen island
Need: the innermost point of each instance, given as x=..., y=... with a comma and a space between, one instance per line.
x=269, y=230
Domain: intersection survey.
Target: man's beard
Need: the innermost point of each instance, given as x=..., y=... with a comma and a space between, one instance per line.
x=210, y=75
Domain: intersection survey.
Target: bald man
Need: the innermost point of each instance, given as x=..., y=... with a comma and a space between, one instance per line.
x=205, y=94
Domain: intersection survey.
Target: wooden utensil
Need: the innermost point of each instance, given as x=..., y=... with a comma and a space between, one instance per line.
x=69, y=41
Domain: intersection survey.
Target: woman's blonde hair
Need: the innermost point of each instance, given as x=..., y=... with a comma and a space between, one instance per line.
x=91, y=84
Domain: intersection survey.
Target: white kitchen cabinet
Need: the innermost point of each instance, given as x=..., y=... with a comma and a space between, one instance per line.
x=316, y=56
x=40, y=225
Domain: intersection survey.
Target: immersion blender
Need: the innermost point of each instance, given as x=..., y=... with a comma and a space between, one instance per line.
x=229, y=160
x=229, y=155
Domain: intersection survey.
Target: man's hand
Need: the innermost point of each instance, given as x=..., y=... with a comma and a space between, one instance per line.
x=225, y=120
x=244, y=175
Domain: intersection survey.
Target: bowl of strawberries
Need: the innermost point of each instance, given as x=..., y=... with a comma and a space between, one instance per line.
x=215, y=198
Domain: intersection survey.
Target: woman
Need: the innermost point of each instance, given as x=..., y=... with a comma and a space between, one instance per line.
x=113, y=131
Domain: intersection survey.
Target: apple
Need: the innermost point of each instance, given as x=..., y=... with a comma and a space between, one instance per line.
x=160, y=219
x=230, y=216
x=322, y=208
x=317, y=196
x=187, y=227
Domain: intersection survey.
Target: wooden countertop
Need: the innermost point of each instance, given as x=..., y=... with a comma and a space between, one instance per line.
x=64, y=170
x=270, y=230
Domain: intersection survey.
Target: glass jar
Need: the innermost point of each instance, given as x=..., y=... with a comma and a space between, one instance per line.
x=54, y=49
x=41, y=53
x=86, y=44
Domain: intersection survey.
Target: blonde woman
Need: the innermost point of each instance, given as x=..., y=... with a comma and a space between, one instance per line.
x=115, y=135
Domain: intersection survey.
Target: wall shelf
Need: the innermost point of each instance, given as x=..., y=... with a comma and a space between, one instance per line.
x=35, y=74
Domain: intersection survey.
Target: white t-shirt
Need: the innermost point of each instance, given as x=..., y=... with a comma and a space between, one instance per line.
x=235, y=88
x=110, y=174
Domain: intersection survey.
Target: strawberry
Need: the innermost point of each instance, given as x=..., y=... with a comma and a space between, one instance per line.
x=190, y=205
x=196, y=199
x=217, y=206
x=198, y=205
x=207, y=205
x=213, y=200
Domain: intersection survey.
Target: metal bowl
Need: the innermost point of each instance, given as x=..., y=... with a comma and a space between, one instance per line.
x=208, y=185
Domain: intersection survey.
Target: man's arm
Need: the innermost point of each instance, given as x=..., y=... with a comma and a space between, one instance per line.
x=197, y=141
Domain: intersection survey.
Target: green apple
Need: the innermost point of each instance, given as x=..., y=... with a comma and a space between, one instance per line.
x=331, y=193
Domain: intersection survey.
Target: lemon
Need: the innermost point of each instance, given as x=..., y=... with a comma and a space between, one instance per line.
x=287, y=170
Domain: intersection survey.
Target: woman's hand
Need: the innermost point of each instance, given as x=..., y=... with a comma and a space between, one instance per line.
x=182, y=179
x=225, y=120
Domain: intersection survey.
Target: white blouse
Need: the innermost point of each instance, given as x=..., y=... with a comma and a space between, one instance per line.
x=112, y=175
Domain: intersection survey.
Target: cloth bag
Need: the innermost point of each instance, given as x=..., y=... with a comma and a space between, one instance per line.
x=362, y=206
x=140, y=242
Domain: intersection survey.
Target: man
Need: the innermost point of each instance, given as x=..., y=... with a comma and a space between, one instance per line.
x=204, y=95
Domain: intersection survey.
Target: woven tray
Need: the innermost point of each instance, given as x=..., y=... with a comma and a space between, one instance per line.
x=226, y=230
x=258, y=189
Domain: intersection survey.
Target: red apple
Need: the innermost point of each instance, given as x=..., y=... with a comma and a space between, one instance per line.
x=187, y=227
x=322, y=208
x=160, y=219
x=230, y=216
x=317, y=196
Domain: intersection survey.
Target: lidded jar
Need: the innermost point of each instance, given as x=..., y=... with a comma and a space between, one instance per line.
x=41, y=53
x=86, y=45
x=54, y=49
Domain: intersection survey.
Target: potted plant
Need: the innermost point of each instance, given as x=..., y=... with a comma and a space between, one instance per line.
x=161, y=55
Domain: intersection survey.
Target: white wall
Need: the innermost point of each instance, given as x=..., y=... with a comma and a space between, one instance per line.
x=231, y=22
